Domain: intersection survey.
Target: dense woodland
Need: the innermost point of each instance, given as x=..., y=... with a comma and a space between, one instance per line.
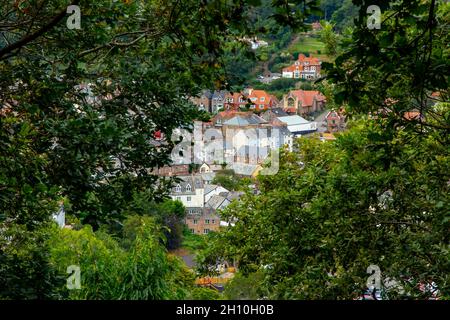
x=379, y=194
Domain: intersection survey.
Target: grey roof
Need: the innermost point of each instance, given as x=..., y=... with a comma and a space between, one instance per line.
x=210, y=187
x=293, y=120
x=216, y=201
x=194, y=182
x=207, y=94
x=240, y=120
x=303, y=128
x=219, y=94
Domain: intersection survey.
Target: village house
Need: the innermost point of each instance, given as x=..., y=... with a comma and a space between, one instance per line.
x=172, y=171
x=247, y=137
x=203, y=101
x=303, y=102
x=235, y=101
x=304, y=68
x=273, y=114
x=261, y=100
x=208, y=168
x=203, y=221
x=218, y=100
x=202, y=202
x=257, y=100
x=190, y=191
x=213, y=190
x=335, y=121
x=254, y=42
x=298, y=126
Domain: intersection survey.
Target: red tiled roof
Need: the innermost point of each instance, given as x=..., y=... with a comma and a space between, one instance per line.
x=306, y=97
x=411, y=115
x=311, y=60
x=293, y=68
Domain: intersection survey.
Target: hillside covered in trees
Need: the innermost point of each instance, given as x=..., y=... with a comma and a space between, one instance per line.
x=80, y=110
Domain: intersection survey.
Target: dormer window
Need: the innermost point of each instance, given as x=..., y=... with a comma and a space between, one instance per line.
x=178, y=188
x=262, y=99
x=188, y=188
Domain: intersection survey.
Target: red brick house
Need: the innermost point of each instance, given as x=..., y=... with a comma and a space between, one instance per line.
x=258, y=100
x=335, y=121
x=304, y=68
x=303, y=102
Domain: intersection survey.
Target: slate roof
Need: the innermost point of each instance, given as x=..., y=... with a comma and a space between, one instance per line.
x=240, y=120
x=216, y=201
x=219, y=95
x=210, y=187
x=195, y=182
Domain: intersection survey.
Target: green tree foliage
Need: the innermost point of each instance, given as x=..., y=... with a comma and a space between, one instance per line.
x=345, y=14
x=379, y=194
x=78, y=108
x=230, y=181
x=139, y=61
x=143, y=271
x=169, y=214
x=333, y=209
x=398, y=67
x=245, y=287
x=25, y=271
x=329, y=38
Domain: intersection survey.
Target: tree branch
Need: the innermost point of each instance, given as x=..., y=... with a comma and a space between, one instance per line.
x=33, y=36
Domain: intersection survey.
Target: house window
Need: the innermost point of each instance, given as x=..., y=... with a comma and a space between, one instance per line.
x=192, y=230
x=179, y=198
x=241, y=100
x=263, y=99
x=206, y=221
x=188, y=188
x=213, y=221
x=188, y=199
x=253, y=99
x=291, y=102
x=195, y=221
x=178, y=188
x=206, y=231
x=261, y=106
